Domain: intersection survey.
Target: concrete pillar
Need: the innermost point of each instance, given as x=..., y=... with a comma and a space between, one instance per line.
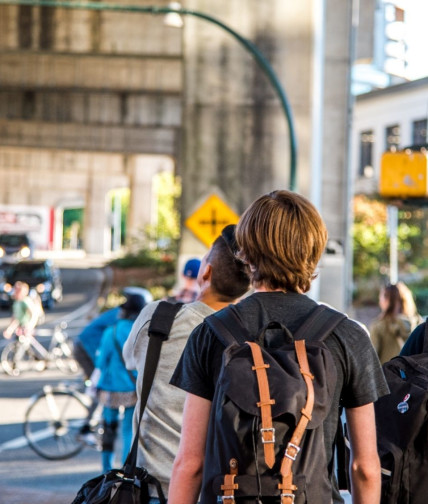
x=235, y=132
x=336, y=193
x=96, y=230
x=141, y=170
x=104, y=173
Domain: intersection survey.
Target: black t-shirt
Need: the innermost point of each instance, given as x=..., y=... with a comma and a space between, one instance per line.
x=360, y=379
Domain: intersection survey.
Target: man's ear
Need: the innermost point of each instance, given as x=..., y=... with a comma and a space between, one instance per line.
x=206, y=275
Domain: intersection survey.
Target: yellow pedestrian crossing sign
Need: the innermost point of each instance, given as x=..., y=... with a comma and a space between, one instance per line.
x=210, y=218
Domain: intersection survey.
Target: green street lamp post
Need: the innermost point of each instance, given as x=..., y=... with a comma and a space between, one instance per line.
x=249, y=46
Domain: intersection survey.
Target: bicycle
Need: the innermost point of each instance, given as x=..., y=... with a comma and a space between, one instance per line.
x=55, y=422
x=25, y=353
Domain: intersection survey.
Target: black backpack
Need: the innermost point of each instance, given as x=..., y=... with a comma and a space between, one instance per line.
x=265, y=436
x=402, y=429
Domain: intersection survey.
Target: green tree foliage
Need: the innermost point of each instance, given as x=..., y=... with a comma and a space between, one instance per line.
x=72, y=227
x=124, y=202
x=167, y=191
x=371, y=240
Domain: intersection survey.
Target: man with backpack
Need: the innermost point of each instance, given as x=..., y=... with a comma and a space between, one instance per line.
x=401, y=422
x=222, y=279
x=264, y=416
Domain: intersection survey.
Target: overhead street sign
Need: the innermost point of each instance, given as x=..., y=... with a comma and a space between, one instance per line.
x=210, y=218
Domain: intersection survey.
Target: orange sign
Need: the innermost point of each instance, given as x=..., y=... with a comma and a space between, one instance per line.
x=210, y=218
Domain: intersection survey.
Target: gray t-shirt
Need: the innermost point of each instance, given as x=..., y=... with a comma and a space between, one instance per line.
x=161, y=425
x=360, y=379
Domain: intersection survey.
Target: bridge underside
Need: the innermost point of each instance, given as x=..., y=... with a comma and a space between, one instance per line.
x=96, y=100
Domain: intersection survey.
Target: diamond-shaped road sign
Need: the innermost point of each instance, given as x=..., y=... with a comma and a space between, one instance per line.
x=210, y=218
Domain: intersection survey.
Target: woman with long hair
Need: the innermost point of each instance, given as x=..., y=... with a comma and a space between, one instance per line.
x=391, y=328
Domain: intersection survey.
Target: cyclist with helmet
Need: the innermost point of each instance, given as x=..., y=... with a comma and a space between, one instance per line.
x=88, y=341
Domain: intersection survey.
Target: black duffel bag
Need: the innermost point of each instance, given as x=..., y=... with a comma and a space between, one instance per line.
x=114, y=487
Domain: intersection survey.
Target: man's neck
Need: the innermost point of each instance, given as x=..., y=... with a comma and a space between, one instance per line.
x=211, y=299
x=263, y=288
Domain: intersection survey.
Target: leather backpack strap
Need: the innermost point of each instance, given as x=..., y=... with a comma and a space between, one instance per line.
x=267, y=430
x=229, y=486
x=159, y=329
x=293, y=447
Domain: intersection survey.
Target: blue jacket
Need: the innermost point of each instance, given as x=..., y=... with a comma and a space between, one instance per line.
x=114, y=376
x=90, y=337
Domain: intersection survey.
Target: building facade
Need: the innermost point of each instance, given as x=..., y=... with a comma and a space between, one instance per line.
x=386, y=119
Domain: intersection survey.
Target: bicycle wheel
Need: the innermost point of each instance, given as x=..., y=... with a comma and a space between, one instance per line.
x=52, y=423
x=62, y=354
x=16, y=359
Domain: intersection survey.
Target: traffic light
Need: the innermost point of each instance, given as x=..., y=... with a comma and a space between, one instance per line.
x=404, y=174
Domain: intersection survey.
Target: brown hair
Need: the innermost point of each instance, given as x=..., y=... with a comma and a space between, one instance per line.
x=281, y=236
x=408, y=302
x=392, y=294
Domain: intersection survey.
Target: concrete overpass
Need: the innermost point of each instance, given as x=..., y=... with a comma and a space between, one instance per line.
x=91, y=101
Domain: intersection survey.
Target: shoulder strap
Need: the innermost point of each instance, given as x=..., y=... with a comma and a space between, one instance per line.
x=227, y=326
x=229, y=329
x=162, y=319
x=159, y=329
x=425, y=347
x=320, y=323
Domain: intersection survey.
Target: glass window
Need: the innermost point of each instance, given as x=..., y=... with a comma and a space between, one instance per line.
x=419, y=132
x=392, y=137
x=47, y=18
x=366, y=154
x=25, y=26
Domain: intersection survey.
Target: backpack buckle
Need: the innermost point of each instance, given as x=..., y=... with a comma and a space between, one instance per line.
x=295, y=447
x=288, y=496
x=266, y=441
x=226, y=499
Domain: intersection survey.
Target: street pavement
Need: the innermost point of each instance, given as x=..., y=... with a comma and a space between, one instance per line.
x=26, y=478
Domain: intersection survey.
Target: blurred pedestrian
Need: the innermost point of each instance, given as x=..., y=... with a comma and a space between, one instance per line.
x=409, y=310
x=190, y=287
x=391, y=328
x=24, y=312
x=88, y=341
x=116, y=385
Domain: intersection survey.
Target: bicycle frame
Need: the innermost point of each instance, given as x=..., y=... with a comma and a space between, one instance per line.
x=62, y=387
x=27, y=347
x=28, y=340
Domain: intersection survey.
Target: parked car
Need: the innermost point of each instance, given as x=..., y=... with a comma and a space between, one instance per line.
x=15, y=246
x=41, y=275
